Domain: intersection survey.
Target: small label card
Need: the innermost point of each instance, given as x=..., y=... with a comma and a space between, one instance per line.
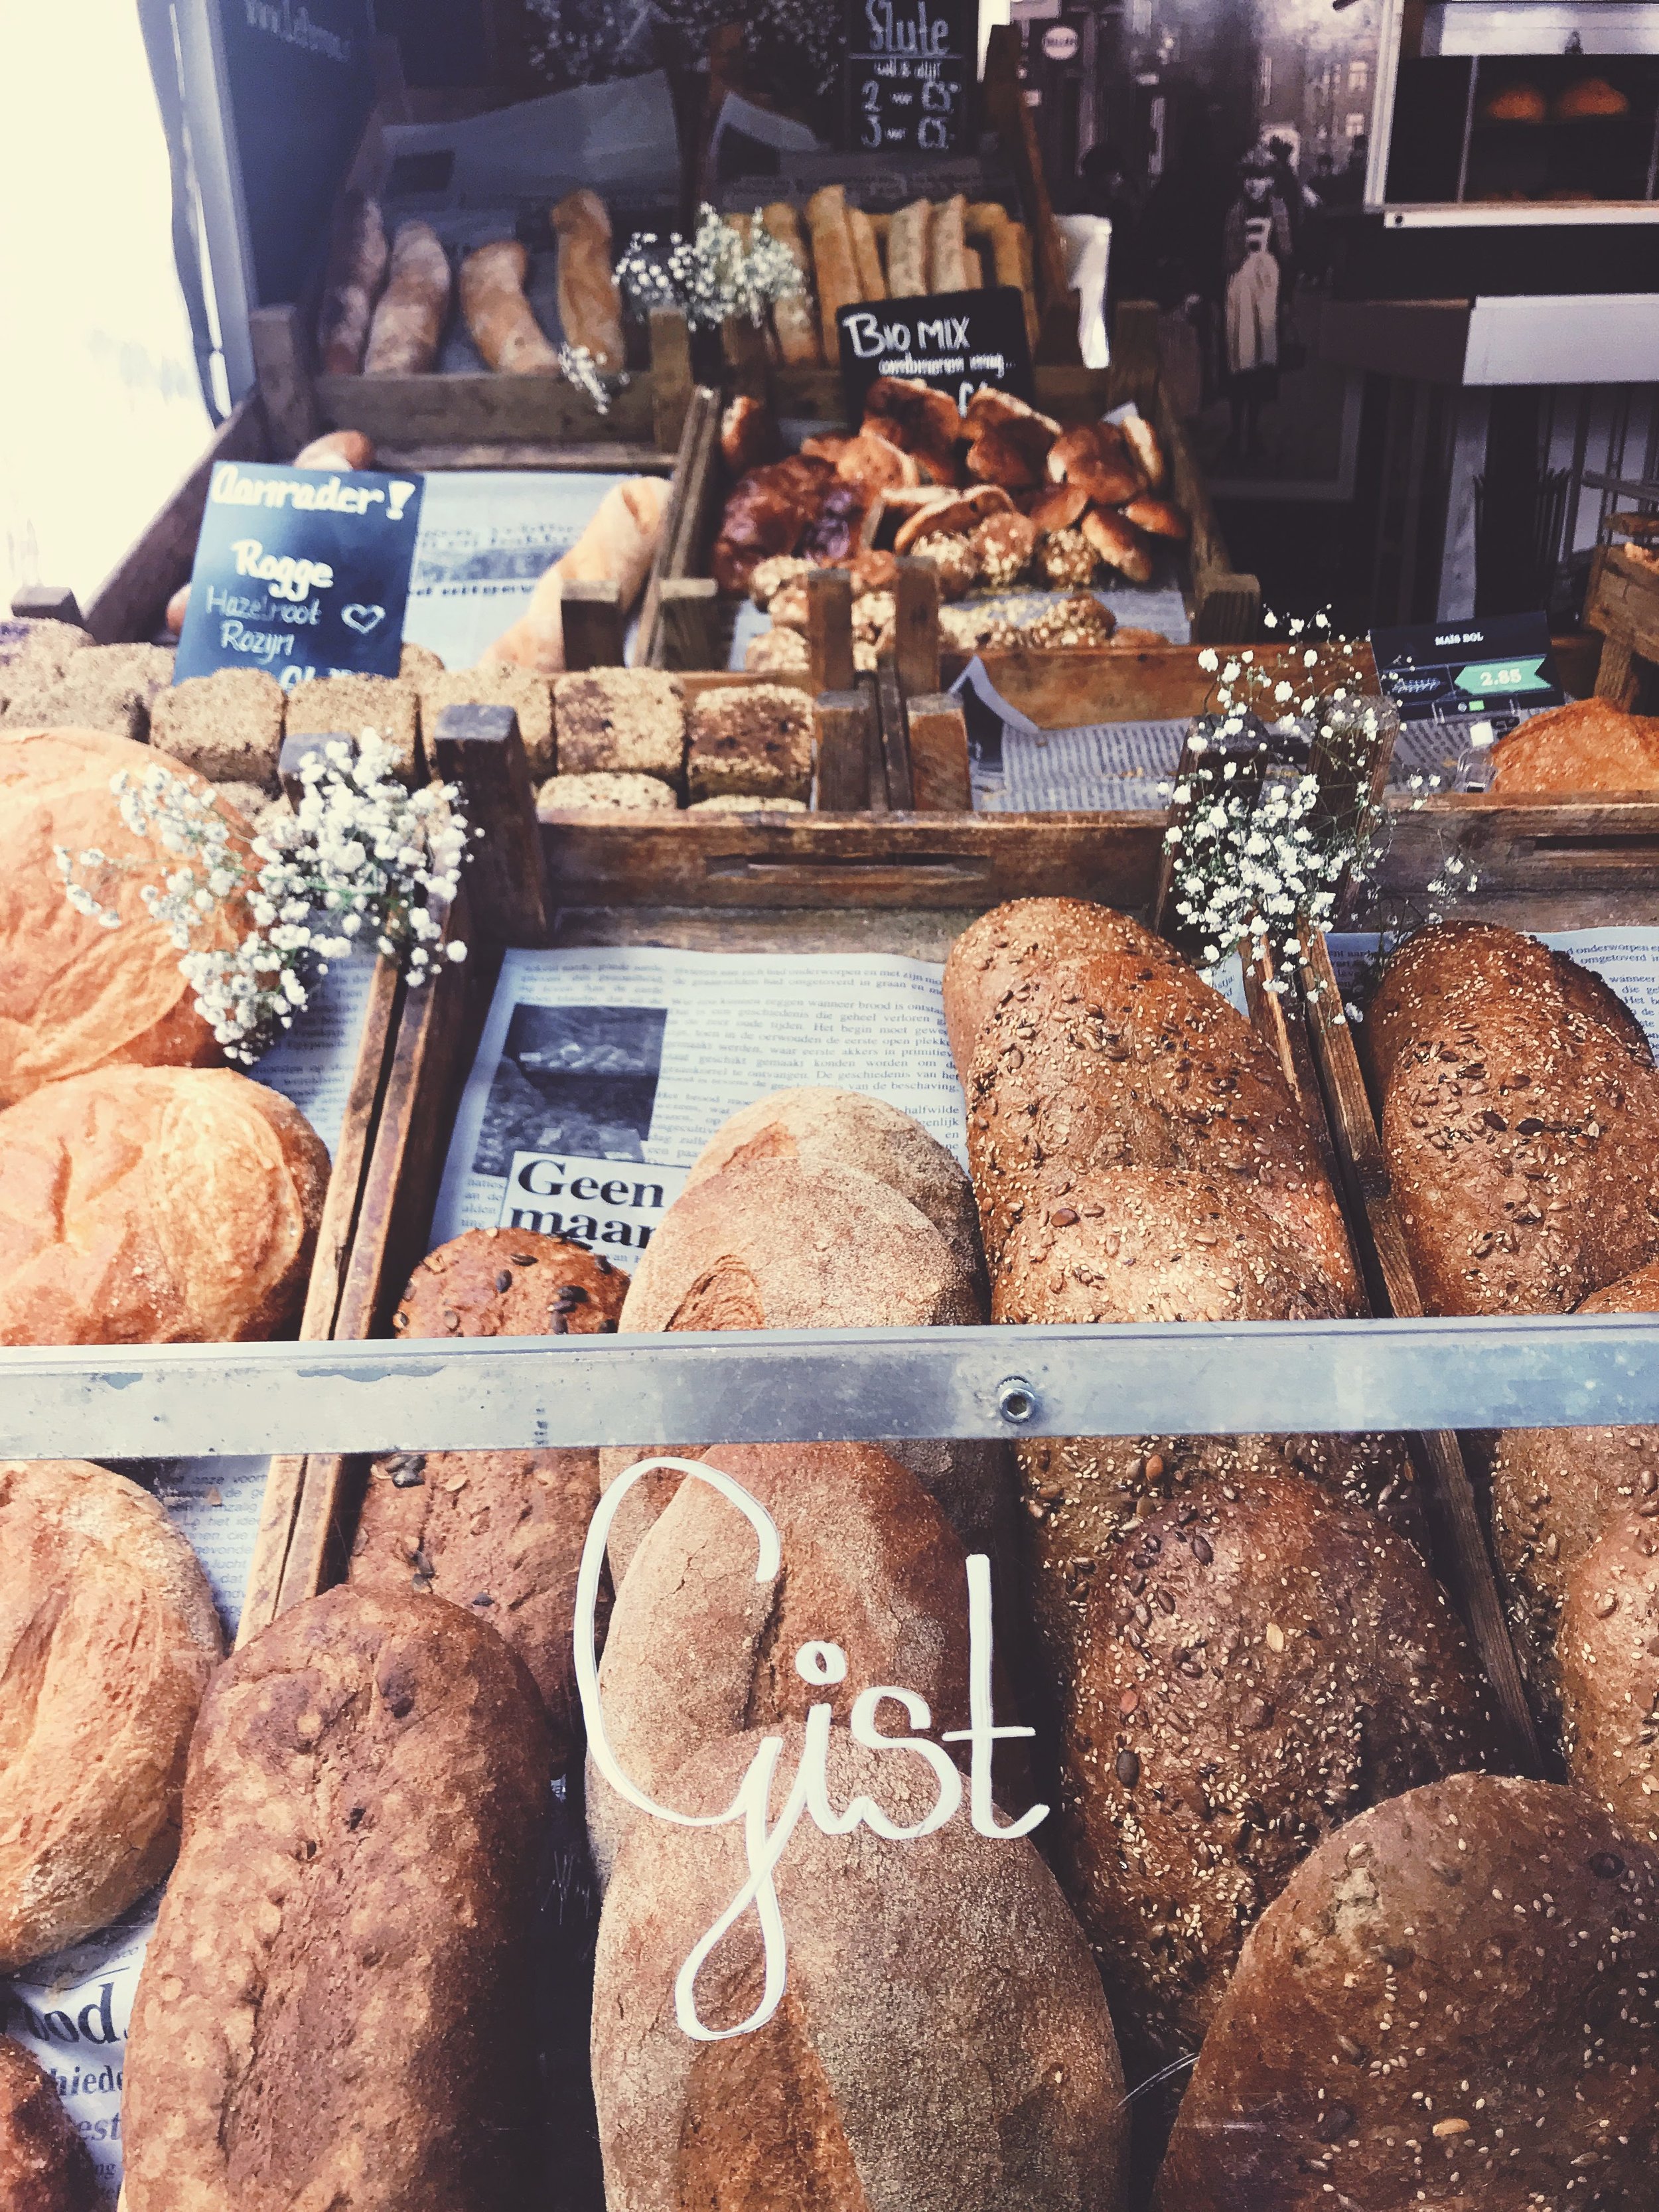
x=954, y=341
x=1446, y=672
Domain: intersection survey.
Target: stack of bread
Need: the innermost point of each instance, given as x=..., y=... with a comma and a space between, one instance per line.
x=630, y=740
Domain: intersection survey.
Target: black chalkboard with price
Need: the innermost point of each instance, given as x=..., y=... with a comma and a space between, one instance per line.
x=911, y=66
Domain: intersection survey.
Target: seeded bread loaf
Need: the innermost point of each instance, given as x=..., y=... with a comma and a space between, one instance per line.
x=496, y=683
x=1587, y=746
x=1608, y=1672
x=335, y=2007
x=755, y=740
x=608, y=791
x=1257, y=1666
x=699, y=1650
x=942, y=2043
x=107, y=1640
x=1027, y=937
x=1451, y=2004
x=348, y=705
x=44, y=2165
x=1520, y=1121
x=621, y=720
x=511, y=1282
x=227, y=725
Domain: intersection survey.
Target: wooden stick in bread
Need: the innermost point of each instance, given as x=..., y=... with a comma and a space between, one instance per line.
x=906, y=250
x=403, y=339
x=618, y=546
x=834, y=263
x=500, y=319
x=793, y=317
x=946, y=245
x=867, y=254
x=590, y=306
x=351, y=284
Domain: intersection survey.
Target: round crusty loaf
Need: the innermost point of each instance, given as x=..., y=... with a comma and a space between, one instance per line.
x=942, y=2043
x=511, y=1282
x=1451, y=2004
x=1554, y=1492
x=335, y=2007
x=1113, y=1063
x=155, y=1205
x=1587, y=746
x=1608, y=1673
x=1258, y=1665
x=846, y=1128
x=73, y=994
x=698, y=1649
x=780, y=1244
x=44, y=2165
x=502, y=1533
x=108, y=1638
x=1023, y=939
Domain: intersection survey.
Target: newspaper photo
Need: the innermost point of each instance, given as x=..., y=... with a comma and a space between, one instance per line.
x=602, y=1074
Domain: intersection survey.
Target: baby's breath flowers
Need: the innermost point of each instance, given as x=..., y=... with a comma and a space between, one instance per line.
x=580, y=368
x=360, y=861
x=712, y=277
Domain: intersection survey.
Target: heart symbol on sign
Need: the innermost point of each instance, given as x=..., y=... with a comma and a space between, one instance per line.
x=362, y=619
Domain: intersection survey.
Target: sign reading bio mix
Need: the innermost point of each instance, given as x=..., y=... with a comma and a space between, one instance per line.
x=300, y=572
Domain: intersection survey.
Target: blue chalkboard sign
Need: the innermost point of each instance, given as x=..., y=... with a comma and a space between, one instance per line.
x=300, y=572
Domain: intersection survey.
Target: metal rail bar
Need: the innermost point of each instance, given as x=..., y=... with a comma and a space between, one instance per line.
x=1199, y=1378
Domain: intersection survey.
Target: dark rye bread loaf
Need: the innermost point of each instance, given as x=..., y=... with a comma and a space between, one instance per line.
x=1259, y=1665
x=1520, y=1121
x=942, y=2044
x=44, y=2165
x=1135, y=1244
x=1451, y=2005
x=847, y=1129
x=1115, y=1062
x=1554, y=1493
x=334, y=2009
x=698, y=1649
x=776, y=1243
x=1026, y=937
x=1608, y=1673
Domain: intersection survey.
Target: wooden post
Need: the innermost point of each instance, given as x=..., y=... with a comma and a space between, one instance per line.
x=829, y=630
x=915, y=626
x=672, y=379
x=843, y=783
x=1618, y=680
x=748, y=358
x=1135, y=363
x=875, y=749
x=47, y=602
x=593, y=627
x=690, y=622
x=299, y=749
x=282, y=362
x=480, y=748
x=895, y=740
x=939, y=776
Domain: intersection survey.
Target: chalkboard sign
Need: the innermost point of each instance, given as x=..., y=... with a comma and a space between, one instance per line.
x=953, y=341
x=300, y=572
x=1445, y=672
x=911, y=67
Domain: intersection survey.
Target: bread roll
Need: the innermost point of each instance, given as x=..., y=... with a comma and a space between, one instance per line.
x=1585, y=746
x=1096, y=457
x=500, y=318
x=794, y=318
x=409, y=323
x=1451, y=2004
x=699, y=1650
x=107, y=1640
x=942, y=2043
x=1515, y=103
x=818, y=1126
x=337, y=449
x=1520, y=1121
x=906, y=250
x=866, y=255
x=351, y=284
x=73, y=994
x=947, y=268
x=1256, y=1667
x=335, y=2006
x=178, y=607
x=590, y=306
x=834, y=265
x=1147, y=447
x=1592, y=98
x=155, y=1205
x=618, y=546
x=44, y=2165
x=1120, y=546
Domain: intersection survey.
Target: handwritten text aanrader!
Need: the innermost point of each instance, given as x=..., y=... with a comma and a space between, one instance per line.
x=765, y=1840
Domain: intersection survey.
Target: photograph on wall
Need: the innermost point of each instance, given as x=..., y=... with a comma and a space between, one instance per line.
x=1226, y=141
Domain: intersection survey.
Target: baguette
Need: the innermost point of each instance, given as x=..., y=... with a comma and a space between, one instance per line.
x=618, y=546
x=403, y=339
x=906, y=250
x=500, y=318
x=795, y=319
x=590, y=306
x=973, y=270
x=351, y=284
x=867, y=254
x=834, y=262
x=946, y=247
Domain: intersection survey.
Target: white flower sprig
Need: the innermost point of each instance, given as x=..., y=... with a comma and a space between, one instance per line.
x=360, y=861
x=712, y=277
x=580, y=368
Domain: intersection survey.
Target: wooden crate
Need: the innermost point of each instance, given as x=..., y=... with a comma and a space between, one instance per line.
x=1623, y=605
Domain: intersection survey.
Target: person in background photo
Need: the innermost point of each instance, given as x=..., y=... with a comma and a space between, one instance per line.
x=1256, y=248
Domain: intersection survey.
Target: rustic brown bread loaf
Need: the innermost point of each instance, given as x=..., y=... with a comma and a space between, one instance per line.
x=107, y=1639
x=1608, y=1671
x=335, y=2007
x=1587, y=746
x=499, y=1532
x=1025, y=938
x=774, y=1243
x=1122, y=1062
x=44, y=2165
x=1139, y=1244
x=698, y=1649
x=942, y=2044
x=846, y=1128
x=1520, y=1121
x=511, y=1282
x=1554, y=1492
x=1451, y=2005
x=1258, y=1666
